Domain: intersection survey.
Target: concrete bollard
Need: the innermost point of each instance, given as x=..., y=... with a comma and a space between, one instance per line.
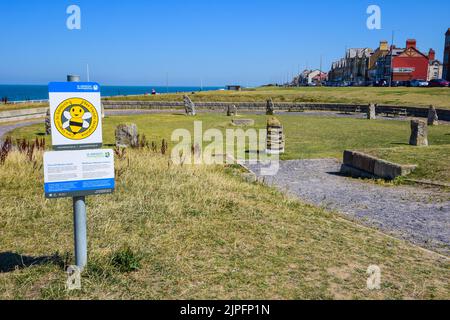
x=419, y=133
x=275, y=137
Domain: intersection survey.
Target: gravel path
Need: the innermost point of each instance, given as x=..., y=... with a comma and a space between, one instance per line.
x=421, y=216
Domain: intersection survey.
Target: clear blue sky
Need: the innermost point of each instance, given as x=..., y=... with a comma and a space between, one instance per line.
x=250, y=42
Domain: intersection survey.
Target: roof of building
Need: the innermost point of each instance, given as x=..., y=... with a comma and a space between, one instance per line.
x=358, y=52
x=435, y=62
x=397, y=51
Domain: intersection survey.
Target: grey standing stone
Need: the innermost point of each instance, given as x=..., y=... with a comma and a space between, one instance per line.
x=127, y=135
x=270, y=107
x=433, y=119
x=48, y=124
x=372, y=112
x=189, y=106
x=419, y=133
x=231, y=110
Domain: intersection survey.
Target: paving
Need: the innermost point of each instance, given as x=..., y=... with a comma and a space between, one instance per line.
x=419, y=215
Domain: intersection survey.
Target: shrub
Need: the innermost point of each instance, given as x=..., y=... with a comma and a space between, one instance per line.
x=125, y=260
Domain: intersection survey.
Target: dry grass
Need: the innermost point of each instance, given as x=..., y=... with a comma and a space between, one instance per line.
x=201, y=232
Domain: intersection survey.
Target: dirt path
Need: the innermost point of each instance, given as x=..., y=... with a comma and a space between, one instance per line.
x=4, y=129
x=419, y=215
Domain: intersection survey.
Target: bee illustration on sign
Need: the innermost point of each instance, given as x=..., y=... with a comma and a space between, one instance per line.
x=76, y=118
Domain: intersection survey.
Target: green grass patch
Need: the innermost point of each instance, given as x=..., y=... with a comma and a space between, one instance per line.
x=306, y=137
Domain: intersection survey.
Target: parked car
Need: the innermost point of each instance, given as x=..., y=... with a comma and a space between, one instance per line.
x=400, y=83
x=380, y=83
x=438, y=83
x=418, y=83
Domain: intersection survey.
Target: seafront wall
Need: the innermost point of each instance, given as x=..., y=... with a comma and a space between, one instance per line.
x=22, y=114
x=25, y=114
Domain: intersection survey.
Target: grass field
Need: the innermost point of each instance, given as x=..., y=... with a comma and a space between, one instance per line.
x=307, y=137
x=171, y=232
x=439, y=97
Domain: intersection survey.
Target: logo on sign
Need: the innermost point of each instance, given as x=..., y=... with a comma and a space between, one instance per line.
x=76, y=118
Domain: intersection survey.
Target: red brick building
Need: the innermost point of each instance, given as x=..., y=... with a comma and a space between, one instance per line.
x=410, y=63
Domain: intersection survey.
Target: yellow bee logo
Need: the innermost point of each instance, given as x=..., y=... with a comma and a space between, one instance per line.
x=76, y=118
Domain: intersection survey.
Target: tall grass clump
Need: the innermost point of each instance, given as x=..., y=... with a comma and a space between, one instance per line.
x=198, y=232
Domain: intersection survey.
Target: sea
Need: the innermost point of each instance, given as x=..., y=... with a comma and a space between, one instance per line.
x=16, y=93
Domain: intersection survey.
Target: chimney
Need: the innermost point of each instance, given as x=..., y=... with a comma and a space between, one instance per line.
x=384, y=46
x=431, y=55
x=411, y=43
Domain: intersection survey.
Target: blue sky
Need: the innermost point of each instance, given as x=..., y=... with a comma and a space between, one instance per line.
x=250, y=42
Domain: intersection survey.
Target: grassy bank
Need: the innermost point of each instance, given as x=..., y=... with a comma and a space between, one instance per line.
x=307, y=137
x=172, y=232
x=424, y=97
x=439, y=97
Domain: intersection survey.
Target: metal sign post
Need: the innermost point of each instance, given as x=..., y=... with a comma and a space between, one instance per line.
x=79, y=226
x=77, y=167
x=79, y=220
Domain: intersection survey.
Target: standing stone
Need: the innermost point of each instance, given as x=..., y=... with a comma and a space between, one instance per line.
x=189, y=106
x=275, y=137
x=270, y=107
x=103, y=111
x=48, y=124
x=231, y=110
x=433, y=119
x=127, y=135
x=372, y=112
x=419, y=133
x=234, y=110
